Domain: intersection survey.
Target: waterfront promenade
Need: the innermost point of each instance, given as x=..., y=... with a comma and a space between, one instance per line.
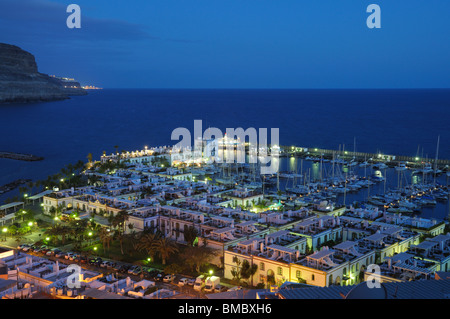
x=297, y=151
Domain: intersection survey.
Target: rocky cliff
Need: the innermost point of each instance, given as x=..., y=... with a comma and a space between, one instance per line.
x=20, y=80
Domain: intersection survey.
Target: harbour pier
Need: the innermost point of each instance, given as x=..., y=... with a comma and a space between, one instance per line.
x=21, y=157
x=390, y=160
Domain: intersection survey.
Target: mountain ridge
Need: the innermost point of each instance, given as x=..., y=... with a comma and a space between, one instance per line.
x=21, y=82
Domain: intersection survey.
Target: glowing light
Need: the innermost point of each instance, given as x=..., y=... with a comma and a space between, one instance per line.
x=30, y=224
x=5, y=230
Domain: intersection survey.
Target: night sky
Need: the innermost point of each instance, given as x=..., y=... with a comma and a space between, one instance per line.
x=236, y=44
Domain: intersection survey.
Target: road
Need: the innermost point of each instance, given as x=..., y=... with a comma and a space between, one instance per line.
x=185, y=292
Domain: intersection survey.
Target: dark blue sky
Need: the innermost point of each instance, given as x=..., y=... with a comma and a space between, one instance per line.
x=236, y=43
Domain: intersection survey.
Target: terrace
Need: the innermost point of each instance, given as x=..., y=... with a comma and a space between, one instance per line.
x=405, y=266
x=324, y=259
x=317, y=225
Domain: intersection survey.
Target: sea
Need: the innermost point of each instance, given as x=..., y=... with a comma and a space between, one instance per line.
x=395, y=122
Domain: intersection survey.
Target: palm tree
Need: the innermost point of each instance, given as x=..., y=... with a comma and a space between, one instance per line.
x=165, y=248
x=120, y=219
x=120, y=236
x=105, y=237
x=64, y=231
x=147, y=243
x=30, y=186
x=53, y=231
x=38, y=184
x=248, y=271
x=119, y=222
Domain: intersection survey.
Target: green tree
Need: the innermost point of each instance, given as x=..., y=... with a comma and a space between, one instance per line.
x=147, y=243
x=197, y=256
x=190, y=234
x=165, y=247
x=235, y=271
x=105, y=237
x=173, y=269
x=248, y=271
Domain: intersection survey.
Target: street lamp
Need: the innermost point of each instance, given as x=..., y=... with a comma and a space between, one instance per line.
x=211, y=272
x=4, y=230
x=30, y=224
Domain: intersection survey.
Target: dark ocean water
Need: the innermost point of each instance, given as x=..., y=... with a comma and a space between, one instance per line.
x=390, y=121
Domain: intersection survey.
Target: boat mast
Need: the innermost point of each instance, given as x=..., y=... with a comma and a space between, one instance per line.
x=436, y=160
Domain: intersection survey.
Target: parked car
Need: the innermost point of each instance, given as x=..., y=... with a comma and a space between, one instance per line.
x=199, y=283
x=160, y=276
x=136, y=271
x=74, y=256
x=53, y=252
x=82, y=259
x=191, y=281
x=111, y=265
x=235, y=288
x=183, y=282
x=168, y=278
x=116, y=267
x=68, y=255
x=37, y=250
x=220, y=288
x=59, y=254
x=131, y=269
x=26, y=247
x=124, y=268
x=95, y=261
x=211, y=283
x=151, y=273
